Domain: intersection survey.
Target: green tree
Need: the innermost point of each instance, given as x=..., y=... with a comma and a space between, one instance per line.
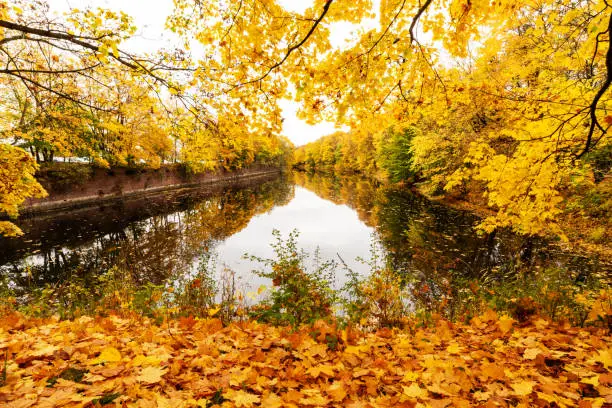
x=395, y=155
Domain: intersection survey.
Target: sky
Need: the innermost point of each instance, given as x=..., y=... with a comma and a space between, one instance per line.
x=150, y=16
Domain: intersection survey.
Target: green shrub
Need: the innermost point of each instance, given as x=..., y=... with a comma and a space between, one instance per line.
x=298, y=296
x=378, y=300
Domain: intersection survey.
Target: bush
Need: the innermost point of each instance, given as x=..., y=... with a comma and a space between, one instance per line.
x=298, y=296
x=551, y=292
x=379, y=300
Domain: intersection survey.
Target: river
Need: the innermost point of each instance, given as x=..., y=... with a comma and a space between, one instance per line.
x=172, y=234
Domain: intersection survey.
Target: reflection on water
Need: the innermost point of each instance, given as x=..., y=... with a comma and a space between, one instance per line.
x=331, y=228
x=166, y=235
x=150, y=238
x=428, y=239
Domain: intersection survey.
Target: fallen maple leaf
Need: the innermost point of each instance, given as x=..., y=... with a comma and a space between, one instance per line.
x=242, y=398
x=272, y=401
x=594, y=381
x=494, y=371
x=453, y=348
x=523, y=388
x=141, y=360
x=604, y=357
x=108, y=355
x=531, y=353
x=317, y=370
x=314, y=398
x=505, y=323
x=337, y=391
x=151, y=375
x=45, y=350
x=414, y=391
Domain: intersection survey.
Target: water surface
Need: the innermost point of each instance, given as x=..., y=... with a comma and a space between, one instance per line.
x=168, y=235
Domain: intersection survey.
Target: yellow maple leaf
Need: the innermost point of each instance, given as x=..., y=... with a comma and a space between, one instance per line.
x=414, y=391
x=141, y=360
x=317, y=370
x=108, y=355
x=453, y=348
x=337, y=391
x=151, y=375
x=242, y=398
x=531, y=353
x=505, y=323
x=315, y=398
x=482, y=396
x=436, y=389
x=272, y=401
x=363, y=348
x=494, y=371
x=549, y=398
x=594, y=381
x=604, y=357
x=410, y=376
x=523, y=388
x=45, y=350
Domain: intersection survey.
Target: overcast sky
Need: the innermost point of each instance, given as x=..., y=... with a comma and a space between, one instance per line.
x=150, y=16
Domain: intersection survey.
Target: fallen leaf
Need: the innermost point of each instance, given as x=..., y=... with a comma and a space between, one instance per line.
x=108, y=355
x=523, y=388
x=151, y=375
x=414, y=391
x=242, y=398
x=505, y=323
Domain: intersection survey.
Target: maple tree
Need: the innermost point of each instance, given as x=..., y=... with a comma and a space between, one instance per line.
x=507, y=98
x=16, y=183
x=71, y=91
x=510, y=97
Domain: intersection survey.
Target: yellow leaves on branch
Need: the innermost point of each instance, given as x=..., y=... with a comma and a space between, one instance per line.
x=137, y=363
x=17, y=183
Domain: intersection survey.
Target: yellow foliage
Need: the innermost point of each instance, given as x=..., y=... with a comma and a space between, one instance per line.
x=17, y=183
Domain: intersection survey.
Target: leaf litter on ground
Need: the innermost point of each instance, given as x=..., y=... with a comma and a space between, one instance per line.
x=133, y=362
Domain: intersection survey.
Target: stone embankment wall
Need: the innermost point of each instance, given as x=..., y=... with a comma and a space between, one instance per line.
x=76, y=185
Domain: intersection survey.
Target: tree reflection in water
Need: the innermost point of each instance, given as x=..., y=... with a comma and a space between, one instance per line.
x=436, y=247
x=166, y=235
x=151, y=239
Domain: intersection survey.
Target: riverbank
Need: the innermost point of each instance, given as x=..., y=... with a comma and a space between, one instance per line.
x=587, y=230
x=73, y=186
x=213, y=209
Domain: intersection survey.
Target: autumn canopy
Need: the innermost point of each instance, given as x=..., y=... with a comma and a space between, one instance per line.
x=509, y=96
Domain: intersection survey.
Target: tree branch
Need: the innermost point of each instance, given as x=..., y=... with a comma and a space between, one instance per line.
x=593, y=107
x=293, y=47
x=60, y=36
x=416, y=18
